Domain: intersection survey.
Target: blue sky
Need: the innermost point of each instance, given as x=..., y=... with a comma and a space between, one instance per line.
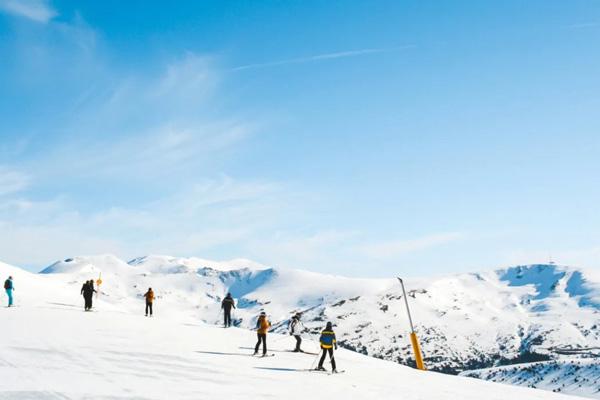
x=352, y=137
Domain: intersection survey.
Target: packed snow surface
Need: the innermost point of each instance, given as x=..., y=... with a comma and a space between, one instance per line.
x=53, y=350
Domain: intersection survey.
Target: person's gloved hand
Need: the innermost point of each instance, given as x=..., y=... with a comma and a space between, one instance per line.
x=336, y=346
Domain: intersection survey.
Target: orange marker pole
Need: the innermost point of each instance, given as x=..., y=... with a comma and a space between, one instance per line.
x=413, y=335
x=98, y=283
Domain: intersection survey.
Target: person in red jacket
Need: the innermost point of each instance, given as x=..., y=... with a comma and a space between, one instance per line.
x=262, y=327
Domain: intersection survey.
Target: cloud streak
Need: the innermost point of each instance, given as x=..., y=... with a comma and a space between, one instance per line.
x=584, y=25
x=35, y=10
x=396, y=248
x=161, y=126
x=321, y=57
x=208, y=216
x=12, y=181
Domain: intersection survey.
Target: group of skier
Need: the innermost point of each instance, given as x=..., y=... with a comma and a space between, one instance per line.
x=327, y=339
x=88, y=290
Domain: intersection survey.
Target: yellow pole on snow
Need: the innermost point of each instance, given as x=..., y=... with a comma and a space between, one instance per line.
x=98, y=283
x=413, y=335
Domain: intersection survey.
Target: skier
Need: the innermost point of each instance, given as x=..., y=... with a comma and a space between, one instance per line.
x=226, y=305
x=296, y=329
x=262, y=326
x=328, y=342
x=9, y=287
x=83, y=293
x=149, y=300
x=88, y=293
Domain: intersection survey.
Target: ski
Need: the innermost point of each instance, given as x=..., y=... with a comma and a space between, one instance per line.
x=326, y=372
x=303, y=352
x=263, y=355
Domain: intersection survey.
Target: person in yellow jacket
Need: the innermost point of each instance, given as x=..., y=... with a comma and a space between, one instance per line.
x=328, y=343
x=262, y=327
x=149, y=300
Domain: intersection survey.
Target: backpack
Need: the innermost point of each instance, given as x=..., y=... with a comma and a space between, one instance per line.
x=7, y=284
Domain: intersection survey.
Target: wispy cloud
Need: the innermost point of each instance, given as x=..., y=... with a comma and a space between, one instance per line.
x=587, y=257
x=194, y=221
x=396, y=248
x=303, y=250
x=584, y=25
x=36, y=10
x=12, y=181
x=322, y=57
x=161, y=125
x=151, y=142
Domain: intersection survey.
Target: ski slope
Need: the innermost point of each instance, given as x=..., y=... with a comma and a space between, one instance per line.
x=57, y=351
x=465, y=321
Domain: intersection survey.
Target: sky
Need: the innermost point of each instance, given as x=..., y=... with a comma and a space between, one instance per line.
x=361, y=138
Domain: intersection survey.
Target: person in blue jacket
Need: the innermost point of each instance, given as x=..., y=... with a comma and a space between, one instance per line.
x=328, y=343
x=9, y=287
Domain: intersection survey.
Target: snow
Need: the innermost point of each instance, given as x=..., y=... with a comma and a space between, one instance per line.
x=539, y=277
x=465, y=321
x=53, y=351
x=158, y=263
x=579, y=377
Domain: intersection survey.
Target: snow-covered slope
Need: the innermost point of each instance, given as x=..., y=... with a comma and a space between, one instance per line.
x=464, y=322
x=580, y=377
x=57, y=351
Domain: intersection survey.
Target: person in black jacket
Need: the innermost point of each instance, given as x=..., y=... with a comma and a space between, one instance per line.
x=87, y=290
x=227, y=304
x=84, y=294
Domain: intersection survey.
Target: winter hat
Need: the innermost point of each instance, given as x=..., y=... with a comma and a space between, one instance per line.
x=263, y=313
x=329, y=326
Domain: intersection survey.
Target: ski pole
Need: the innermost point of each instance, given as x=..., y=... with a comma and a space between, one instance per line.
x=413, y=335
x=312, y=366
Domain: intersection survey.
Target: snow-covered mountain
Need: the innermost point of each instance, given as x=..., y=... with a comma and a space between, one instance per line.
x=465, y=322
x=577, y=376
